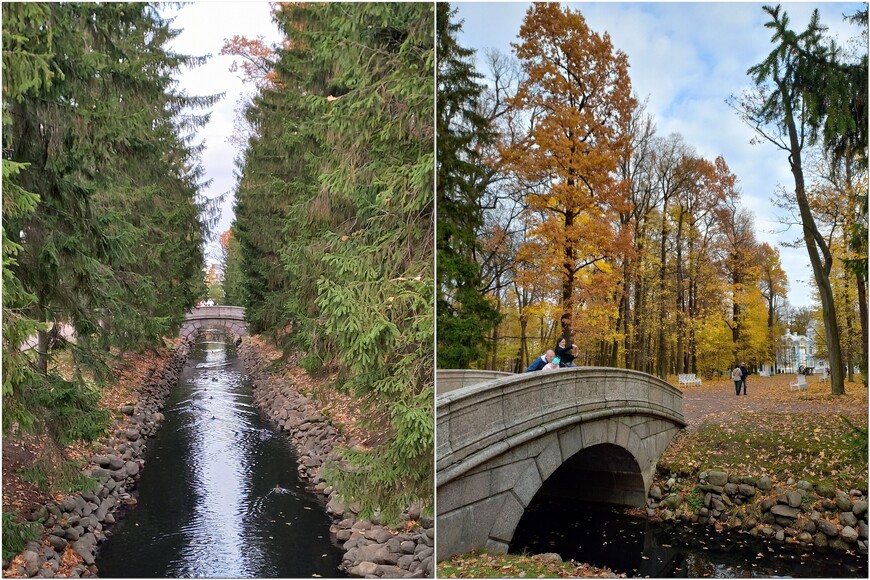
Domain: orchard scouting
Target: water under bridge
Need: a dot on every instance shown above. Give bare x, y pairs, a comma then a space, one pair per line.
229, 319
586, 433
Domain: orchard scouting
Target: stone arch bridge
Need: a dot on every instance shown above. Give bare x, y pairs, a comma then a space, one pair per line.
586, 433
228, 319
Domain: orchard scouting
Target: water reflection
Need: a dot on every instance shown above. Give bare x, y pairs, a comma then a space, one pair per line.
603, 535
207, 500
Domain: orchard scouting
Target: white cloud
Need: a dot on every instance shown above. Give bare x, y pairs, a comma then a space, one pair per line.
205, 26
688, 58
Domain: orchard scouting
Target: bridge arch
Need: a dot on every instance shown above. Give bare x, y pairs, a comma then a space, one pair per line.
498, 442
228, 319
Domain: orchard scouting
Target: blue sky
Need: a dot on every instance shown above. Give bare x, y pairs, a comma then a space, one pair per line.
687, 59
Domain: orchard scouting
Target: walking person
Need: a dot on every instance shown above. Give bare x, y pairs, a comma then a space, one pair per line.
737, 377
743, 374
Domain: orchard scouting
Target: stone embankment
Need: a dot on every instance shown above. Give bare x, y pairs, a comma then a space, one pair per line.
78, 523
372, 550
814, 516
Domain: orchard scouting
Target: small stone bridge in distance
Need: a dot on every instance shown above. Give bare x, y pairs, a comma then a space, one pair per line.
587, 433
228, 319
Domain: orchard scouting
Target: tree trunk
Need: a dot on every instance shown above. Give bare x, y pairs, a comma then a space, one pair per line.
681, 299
42, 351
524, 342
518, 362
850, 365
661, 364
640, 329
862, 313
491, 362
105, 330
815, 242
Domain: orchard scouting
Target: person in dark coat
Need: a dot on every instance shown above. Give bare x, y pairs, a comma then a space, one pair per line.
737, 377
743, 374
563, 351
541, 361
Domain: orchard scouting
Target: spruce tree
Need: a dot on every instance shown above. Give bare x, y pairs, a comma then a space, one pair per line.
465, 317
93, 127
336, 186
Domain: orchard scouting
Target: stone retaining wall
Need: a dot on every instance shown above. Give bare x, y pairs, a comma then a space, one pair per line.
371, 549
815, 516
81, 521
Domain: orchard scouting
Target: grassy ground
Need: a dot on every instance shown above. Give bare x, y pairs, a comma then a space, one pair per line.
482, 565
783, 446
772, 431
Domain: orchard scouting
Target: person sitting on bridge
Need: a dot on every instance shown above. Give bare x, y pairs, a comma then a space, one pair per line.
563, 351
542, 361
552, 365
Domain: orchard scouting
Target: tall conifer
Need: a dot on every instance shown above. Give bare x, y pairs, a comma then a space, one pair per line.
93, 127
464, 315
336, 187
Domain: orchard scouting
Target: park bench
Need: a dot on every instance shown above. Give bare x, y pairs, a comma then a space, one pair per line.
800, 385
763, 374
688, 380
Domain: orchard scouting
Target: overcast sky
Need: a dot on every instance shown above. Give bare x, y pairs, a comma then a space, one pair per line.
205, 26
687, 59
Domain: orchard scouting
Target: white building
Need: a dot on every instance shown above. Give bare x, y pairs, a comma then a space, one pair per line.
795, 351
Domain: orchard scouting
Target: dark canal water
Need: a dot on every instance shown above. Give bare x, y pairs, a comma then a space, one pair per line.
207, 500
603, 535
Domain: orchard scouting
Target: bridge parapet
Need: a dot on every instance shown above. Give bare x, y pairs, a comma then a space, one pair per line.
451, 379
223, 312
471, 419
229, 319
499, 441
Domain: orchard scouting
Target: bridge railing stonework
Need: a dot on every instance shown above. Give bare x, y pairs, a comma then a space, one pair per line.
230, 319
451, 379
499, 441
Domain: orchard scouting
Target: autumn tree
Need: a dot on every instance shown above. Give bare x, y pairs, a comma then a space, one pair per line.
578, 94
773, 284
802, 92
737, 251
502, 230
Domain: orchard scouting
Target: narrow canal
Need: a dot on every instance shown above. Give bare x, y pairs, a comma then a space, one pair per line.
603, 535
208, 504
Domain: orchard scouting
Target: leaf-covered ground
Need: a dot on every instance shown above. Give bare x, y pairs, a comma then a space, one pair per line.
483, 565
773, 431
20, 451
342, 410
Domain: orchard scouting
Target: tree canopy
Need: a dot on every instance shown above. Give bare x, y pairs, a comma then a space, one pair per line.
335, 225
101, 226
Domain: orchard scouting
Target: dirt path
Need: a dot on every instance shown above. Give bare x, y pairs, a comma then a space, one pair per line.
715, 400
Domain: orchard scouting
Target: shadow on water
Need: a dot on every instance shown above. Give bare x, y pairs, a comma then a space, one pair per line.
220, 496
605, 536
